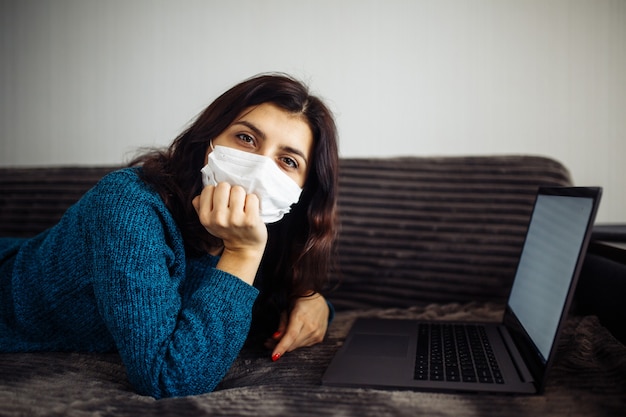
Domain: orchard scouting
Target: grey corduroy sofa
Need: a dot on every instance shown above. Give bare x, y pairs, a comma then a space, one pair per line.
434, 237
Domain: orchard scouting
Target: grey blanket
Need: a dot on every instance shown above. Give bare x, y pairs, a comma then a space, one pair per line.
589, 379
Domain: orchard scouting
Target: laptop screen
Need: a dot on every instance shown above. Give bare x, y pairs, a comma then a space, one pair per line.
547, 263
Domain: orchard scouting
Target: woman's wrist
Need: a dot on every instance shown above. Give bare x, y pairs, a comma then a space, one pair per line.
314, 294
242, 263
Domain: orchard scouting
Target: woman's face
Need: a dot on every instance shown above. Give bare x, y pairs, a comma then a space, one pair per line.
270, 131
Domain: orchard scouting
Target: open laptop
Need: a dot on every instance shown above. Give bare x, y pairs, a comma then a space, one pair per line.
397, 354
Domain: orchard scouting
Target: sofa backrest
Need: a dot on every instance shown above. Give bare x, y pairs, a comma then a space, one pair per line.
434, 229
412, 230
34, 199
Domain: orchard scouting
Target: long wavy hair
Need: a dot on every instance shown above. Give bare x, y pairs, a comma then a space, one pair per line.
298, 254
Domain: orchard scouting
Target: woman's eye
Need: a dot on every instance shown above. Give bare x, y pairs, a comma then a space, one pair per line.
290, 162
246, 138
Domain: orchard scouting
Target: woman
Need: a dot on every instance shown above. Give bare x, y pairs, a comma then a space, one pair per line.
172, 273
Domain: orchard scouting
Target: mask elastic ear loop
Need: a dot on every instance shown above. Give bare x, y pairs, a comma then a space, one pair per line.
211, 144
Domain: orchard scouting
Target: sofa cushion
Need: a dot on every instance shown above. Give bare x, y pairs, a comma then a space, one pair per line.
587, 380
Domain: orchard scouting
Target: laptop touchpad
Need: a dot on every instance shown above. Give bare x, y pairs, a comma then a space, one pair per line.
378, 345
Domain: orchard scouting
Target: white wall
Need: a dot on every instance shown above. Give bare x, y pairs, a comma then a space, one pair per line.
90, 81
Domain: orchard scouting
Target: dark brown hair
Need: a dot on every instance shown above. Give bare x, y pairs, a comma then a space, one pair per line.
299, 249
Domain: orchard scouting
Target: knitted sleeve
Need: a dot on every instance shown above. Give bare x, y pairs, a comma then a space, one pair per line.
178, 325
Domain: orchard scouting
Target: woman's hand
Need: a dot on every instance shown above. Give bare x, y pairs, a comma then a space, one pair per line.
305, 326
230, 214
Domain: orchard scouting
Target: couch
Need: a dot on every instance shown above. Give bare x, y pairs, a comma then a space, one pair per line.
420, 237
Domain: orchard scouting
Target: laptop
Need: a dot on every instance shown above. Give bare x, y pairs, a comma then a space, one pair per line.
508, 357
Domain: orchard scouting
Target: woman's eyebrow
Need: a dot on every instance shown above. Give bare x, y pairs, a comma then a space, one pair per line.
252, 127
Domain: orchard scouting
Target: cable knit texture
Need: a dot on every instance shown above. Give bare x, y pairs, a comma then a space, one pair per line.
113, 275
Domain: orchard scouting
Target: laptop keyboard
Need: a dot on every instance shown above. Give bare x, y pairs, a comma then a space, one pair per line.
453, 352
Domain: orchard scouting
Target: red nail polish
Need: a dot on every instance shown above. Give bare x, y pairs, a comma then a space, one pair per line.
276, 334
275, 357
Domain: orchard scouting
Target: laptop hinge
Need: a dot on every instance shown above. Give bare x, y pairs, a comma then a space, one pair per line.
518, 362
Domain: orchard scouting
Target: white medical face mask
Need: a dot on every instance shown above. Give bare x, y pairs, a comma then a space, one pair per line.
257, 175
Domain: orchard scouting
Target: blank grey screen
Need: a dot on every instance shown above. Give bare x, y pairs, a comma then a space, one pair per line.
547, 264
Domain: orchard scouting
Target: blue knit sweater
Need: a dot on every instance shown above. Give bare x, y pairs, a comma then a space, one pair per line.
113, 275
